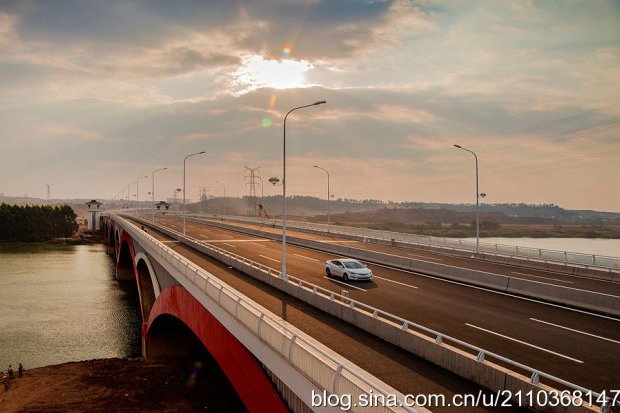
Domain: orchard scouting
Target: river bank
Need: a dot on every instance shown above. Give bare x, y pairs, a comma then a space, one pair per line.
79, 238
121, 385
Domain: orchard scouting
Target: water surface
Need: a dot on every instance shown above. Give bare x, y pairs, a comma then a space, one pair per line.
598, 246
61, 303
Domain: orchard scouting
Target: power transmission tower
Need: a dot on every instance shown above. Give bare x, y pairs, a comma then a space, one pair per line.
48, 190
251, 176
202, 195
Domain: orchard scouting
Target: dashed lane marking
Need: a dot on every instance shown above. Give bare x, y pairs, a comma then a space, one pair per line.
308, 258
269, 258
574, 330
396, 282
525, 343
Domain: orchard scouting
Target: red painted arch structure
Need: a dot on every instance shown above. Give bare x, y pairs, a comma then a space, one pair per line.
242, 369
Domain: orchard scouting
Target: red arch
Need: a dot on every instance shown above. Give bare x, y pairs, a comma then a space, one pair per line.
127, 238
237, 363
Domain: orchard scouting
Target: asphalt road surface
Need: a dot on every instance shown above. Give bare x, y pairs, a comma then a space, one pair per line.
577, 346
398, 368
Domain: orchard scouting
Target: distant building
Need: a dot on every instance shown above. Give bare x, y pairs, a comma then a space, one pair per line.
94, 211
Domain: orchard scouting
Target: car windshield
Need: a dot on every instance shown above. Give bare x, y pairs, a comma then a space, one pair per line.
353, 264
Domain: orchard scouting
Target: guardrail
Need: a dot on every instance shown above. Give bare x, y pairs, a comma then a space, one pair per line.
480, 354
574, 258
324, 370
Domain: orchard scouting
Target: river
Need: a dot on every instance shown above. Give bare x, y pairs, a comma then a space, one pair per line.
598, 246
61, 303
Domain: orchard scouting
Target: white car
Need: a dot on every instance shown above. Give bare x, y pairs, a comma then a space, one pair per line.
348, 269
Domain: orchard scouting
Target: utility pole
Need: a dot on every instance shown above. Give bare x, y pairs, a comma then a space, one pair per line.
48, 191
252, 174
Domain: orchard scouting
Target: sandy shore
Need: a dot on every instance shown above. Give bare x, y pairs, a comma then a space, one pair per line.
120, 385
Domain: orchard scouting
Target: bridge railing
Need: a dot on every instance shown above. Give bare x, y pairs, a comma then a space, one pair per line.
481, 354
323, 369
538, 254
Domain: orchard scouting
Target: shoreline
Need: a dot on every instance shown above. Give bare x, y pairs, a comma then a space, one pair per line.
121, 385
80, 238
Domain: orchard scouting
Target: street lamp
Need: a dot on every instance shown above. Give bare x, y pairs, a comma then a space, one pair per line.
477, 199
221, 183
138, 191
328, 196
153, 189
320, 102
128, 200
191, 154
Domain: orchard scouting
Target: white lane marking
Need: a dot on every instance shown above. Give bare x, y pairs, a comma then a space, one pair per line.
308, 258
269, 258
568, 288
170, 241
538, 276
337, 241
230, 245
475, 287
576, 331
525, 343
396, 282
259, 245
229, 236
344, 283
519, 297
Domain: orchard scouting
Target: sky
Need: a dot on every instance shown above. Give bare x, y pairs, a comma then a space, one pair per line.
95, 95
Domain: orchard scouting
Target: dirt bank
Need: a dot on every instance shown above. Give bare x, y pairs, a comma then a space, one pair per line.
121, 385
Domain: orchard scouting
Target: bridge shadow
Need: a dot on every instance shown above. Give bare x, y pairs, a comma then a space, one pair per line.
354, 285
172, 342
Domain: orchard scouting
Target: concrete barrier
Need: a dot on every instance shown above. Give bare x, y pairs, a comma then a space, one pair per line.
521, 261
485, 373
583, 299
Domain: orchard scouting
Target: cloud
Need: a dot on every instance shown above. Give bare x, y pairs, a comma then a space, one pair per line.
144, 83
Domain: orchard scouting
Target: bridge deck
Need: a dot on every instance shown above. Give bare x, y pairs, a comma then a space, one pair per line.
556, 340
396, 367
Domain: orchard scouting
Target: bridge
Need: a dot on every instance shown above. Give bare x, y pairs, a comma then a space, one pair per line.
432, 321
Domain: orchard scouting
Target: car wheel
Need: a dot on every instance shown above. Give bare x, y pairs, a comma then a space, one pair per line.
345, 276
328, 272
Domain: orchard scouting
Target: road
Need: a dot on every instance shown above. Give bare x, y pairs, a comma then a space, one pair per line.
542, 276
576, 346
398, 368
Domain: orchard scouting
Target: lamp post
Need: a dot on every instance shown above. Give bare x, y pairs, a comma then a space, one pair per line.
224, 186
153, 189
128, 199
184, 160
320, 102
138, 191
328, 196
477, 199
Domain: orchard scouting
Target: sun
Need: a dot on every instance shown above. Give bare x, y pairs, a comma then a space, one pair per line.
259, 72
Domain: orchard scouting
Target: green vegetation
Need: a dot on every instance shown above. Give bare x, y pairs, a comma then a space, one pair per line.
494, 229
36, 223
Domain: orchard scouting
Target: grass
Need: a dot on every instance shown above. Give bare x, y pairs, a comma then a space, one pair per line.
505, 231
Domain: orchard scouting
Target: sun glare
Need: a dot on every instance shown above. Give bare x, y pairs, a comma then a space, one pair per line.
279, 74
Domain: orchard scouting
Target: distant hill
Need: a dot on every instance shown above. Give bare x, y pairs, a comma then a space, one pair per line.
523, 210
309, 207
441, 215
